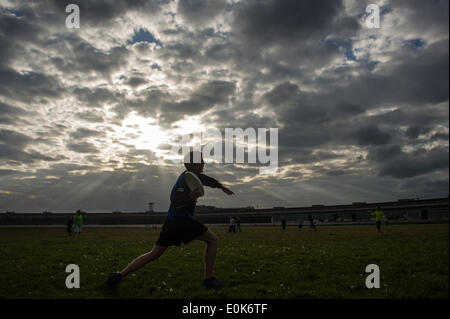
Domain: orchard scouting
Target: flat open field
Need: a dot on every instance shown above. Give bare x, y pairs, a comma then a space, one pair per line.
260, 262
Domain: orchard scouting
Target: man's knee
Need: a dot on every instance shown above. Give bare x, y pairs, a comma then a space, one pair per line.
210, 238
157, 251
214, 239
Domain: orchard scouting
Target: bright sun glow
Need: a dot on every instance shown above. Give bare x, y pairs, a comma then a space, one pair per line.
188, 125
143, 133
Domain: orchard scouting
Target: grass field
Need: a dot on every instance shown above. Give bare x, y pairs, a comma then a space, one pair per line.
260, 262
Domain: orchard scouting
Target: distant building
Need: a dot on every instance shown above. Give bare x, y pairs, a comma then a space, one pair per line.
435, 209
204, 209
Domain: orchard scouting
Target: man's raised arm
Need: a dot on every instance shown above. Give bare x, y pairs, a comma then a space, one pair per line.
211, 182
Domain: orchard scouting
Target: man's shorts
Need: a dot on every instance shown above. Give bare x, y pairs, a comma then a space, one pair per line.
378, 224
175, 232
78, 229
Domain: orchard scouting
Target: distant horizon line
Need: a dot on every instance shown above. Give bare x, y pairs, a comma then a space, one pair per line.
106, 211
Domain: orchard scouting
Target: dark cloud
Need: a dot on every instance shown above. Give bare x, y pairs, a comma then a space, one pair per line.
82, 133
435, 186
200, 11
371, 135
9, 110
422, 162
226, 118
12, 153
9, 49
180, 50
221, 52
308, 156
94, 97
415, 131
418, 79
135, 81
28, 86
203, 98
13, 115
424, 17
104, 12
440, 136
14, 32
82, 147
87, 58
269, 22
421, 78
14, 138
18, 28
282, 94
8, 172
384, 153
146, 103
295, 141
90, 116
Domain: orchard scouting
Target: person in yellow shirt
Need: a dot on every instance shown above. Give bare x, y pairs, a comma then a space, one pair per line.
379, 216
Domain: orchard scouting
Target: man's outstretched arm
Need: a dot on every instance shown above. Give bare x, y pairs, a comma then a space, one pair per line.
211, 182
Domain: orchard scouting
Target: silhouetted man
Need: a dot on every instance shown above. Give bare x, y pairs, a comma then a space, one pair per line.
180, 225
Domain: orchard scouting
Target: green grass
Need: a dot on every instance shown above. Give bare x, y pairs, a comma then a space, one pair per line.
260, 262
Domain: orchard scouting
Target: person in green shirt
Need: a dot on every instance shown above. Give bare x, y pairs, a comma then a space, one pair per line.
379, 216
78, 221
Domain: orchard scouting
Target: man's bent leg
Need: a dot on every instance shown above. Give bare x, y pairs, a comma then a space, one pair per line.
142, 260
211, 241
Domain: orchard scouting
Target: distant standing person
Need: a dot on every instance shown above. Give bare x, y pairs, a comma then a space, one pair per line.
78, 220
238, 223
69, 224
283, 224
232, 227
300, 225
311, 222
379, 216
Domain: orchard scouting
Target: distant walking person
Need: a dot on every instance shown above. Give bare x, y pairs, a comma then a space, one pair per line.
78, 220
311, 222
69, 225
238, 223
283, 224
300, 225
232, 227
379, 216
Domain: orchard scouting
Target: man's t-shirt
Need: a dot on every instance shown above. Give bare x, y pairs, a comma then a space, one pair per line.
379, 215
78, 219
181, 205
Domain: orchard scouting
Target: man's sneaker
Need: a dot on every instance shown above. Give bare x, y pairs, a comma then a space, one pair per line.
212, 282
113, 280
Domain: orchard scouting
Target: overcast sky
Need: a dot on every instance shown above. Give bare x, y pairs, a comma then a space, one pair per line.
88, 115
